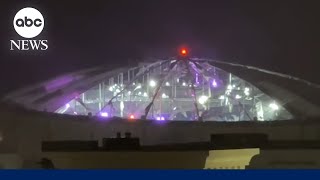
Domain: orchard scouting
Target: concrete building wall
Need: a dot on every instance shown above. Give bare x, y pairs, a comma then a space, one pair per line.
253, 158
286, 159
10, 161
22, 133
128, 160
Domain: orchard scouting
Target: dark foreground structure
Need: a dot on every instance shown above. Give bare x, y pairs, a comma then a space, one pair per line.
84, 142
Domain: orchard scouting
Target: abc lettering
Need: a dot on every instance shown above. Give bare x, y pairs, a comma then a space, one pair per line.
28, 22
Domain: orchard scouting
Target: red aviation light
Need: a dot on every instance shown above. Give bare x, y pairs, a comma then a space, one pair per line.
183, 52
131, 118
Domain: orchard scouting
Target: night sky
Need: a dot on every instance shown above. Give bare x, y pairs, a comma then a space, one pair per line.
277, 35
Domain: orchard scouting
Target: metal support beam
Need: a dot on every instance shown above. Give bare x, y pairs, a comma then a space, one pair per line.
100, 97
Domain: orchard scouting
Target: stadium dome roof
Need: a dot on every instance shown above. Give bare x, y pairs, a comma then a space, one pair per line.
175, 89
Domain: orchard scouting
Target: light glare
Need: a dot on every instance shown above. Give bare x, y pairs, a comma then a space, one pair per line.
214, 83
183, 52
274, 106
203, 99
104, 114
152, 83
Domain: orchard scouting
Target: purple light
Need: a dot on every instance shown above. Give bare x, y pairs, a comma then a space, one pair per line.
104, 114
214, 83
197, 78
160, 118
67, 105
58, 83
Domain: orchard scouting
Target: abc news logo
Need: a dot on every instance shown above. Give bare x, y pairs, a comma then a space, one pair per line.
28, 23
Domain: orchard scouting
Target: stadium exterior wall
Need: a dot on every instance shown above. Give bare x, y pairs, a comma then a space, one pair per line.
22, 133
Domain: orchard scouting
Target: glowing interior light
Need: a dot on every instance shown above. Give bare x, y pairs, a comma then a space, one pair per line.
164, 95
229, 89
139, 93
67, 106
167, 84
133, 84
274, 106
214, 83
131, 116
184, 84
145, 94
121, 105
138, 87
110, 88
129, 92
160, 118
104, 114
203, 99
238, 96
152, 83
75, 113
178, 80
246, 91
221, 97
